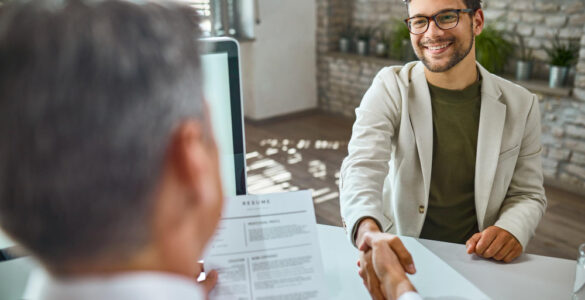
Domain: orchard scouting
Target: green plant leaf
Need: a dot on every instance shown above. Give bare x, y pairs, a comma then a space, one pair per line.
492, 50
562, 54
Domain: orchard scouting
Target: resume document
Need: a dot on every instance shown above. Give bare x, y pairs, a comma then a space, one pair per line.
266, 247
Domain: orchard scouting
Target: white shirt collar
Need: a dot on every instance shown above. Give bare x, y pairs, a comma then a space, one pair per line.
132, 285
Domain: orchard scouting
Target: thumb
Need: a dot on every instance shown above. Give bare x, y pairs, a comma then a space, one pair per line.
366, 242
210, 281
472, 242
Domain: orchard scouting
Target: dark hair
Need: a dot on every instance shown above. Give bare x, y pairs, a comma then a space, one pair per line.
89, 96
473, 4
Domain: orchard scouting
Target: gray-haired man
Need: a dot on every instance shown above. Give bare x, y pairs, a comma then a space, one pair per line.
109, 171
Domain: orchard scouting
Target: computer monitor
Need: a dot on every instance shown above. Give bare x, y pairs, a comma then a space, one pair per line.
221, 87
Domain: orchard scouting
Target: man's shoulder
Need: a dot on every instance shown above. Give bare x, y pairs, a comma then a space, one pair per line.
397, 73
519, 101
511, 90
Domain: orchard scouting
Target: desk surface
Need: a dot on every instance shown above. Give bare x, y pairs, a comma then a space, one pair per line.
440, 272
529, 277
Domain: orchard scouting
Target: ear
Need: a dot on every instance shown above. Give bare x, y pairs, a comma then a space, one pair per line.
478, 22
195, 161
188, 154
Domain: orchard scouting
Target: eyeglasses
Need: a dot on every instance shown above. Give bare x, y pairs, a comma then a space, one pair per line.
445, 20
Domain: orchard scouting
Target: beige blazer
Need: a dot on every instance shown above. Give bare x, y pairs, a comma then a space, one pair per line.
387, 173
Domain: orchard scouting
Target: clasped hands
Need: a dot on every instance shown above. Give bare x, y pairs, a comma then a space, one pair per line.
384, 261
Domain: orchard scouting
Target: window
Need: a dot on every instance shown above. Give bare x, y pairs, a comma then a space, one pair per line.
203, 8
226, 17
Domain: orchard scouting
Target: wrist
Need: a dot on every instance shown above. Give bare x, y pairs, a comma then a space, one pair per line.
365, 225
397, 289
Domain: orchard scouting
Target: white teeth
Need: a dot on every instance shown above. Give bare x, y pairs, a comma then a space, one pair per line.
438, 47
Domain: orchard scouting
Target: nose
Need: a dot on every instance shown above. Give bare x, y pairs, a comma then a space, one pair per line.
434, 30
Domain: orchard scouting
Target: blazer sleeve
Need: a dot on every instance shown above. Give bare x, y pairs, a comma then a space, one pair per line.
525, 200
364, 170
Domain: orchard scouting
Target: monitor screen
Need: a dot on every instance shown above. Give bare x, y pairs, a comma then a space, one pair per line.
217, 93
221, 87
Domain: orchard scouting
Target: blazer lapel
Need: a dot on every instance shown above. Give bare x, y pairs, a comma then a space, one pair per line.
421, 116
492, 117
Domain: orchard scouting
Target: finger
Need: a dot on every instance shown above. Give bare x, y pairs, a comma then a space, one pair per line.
374, 288
362, 272
487, 237
369, 275
505, 250
497, 245
367, 241
403, 255
210, 281
472, 242
513, 254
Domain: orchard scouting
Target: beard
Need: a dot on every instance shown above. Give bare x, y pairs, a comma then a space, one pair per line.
460, 53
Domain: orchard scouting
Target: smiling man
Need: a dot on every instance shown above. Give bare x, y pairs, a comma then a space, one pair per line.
442, 149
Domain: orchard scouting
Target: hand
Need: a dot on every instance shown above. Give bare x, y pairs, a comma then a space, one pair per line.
387, 256
366, 271
209, 282
368, 274
494, 242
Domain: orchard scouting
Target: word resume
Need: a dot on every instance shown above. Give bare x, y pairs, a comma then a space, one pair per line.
266, 248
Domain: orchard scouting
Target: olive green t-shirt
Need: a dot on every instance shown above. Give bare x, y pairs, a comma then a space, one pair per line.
451, 213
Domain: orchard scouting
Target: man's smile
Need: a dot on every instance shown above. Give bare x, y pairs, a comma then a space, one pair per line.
437, 48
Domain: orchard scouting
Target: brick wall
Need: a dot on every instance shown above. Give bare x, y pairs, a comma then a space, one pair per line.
537, 22
373, 13
563, 140
349, 76
332, 17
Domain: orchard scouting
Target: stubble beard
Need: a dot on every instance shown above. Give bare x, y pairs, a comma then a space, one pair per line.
457, 57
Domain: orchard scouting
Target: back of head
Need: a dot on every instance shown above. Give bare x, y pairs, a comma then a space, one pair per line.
90, 92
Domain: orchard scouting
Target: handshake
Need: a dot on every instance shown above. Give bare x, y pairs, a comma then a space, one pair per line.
384, 261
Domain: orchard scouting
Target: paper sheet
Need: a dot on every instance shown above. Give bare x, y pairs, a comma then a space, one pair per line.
266, 247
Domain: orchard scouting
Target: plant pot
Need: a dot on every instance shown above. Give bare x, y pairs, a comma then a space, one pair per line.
523, 70
362, 47
381, 49
558, 76
344, 45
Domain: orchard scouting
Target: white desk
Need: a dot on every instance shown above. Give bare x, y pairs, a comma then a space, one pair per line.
529, 277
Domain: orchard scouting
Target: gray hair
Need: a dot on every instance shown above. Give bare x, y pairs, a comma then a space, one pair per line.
90, 93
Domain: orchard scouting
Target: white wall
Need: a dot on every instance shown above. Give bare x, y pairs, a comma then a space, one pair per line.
279, 67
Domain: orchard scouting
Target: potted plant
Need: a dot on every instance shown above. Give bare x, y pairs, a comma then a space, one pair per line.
492, 50
364, 37
345, 39
561, 56
525, 60
382, 44
400, 46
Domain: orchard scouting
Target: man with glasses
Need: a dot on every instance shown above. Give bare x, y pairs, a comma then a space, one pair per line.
441, 149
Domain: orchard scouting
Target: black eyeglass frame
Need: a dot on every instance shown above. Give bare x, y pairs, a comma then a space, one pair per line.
434, 18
